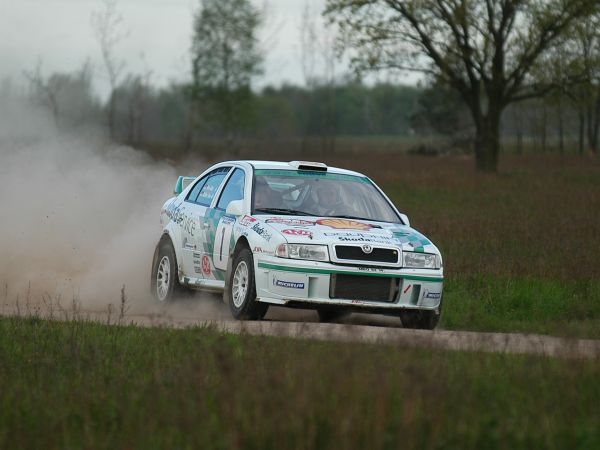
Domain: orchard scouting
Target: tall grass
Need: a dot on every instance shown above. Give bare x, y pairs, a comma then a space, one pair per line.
87, 385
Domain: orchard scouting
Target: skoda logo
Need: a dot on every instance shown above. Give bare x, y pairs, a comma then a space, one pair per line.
367, 248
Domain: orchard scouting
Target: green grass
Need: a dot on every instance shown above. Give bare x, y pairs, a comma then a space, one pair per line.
521, 249
527, 305
520, 254
86, 385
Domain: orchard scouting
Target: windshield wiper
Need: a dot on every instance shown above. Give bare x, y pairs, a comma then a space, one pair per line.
342, 216
285, 211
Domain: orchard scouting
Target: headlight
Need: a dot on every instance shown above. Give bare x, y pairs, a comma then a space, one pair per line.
421, 260
303, 251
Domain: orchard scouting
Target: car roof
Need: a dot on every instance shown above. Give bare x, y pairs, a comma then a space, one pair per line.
283, 165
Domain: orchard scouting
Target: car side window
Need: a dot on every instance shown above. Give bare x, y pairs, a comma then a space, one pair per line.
204, 191
196, 189
233, 190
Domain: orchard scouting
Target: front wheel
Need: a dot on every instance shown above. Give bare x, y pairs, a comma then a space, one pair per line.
423, 320
242, 288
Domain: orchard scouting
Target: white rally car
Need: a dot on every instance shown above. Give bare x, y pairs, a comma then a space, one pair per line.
297, 234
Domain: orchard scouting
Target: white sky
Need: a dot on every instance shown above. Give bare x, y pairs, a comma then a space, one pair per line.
58, 34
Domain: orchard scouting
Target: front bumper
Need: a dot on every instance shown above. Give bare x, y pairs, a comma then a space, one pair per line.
309, 283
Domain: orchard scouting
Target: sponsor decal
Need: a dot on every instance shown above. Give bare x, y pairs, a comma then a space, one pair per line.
291, 222
350, 234
297, 232
197, 263
207, 192
412, 238
288, 284
261, 232
258, 250
344, 224
176, 213
362, 237
227, 220
246, 221
432, 295
206, 265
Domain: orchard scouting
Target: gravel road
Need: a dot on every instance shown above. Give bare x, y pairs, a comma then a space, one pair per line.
303, 324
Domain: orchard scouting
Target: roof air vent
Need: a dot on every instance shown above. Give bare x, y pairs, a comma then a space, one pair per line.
308, 165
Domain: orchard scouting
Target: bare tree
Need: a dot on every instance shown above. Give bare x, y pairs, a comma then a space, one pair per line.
587, 37
106, 26
574, 66
318, 60
225, 58
136, 91
483, 49
308, 44
45, 91
308, 54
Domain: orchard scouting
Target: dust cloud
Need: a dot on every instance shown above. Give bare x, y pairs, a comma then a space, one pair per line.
79, 217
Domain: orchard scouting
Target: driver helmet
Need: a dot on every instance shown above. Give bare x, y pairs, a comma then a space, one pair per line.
263, 194
328, 195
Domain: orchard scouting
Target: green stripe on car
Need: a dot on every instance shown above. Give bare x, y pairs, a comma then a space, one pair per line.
262, 265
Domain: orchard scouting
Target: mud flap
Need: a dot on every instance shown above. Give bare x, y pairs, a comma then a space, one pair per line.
154, 261
227, 277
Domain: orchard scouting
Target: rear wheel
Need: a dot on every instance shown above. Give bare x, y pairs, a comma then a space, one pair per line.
242, 288
164, 283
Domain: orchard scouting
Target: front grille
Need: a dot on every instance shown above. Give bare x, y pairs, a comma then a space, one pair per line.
357, 287
356, 253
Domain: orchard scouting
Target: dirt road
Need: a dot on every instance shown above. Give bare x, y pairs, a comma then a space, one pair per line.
303, 324
353, 332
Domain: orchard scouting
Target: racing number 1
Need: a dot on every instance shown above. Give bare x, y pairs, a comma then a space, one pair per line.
222, 242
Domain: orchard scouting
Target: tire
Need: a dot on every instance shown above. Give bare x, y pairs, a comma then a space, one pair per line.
421, 320
164, 283
242, 288
330, 315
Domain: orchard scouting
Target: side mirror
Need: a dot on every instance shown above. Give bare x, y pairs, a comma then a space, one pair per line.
404, 218
235, 208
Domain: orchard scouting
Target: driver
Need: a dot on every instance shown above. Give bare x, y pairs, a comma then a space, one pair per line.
264, 196
329, 200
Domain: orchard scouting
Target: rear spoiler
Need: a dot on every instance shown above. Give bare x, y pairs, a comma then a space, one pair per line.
182, 183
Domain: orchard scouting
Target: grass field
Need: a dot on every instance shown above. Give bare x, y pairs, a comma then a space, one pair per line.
521, 253
521, 249
85, 385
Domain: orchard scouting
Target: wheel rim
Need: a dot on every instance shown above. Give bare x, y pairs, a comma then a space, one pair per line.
239, 286
162, 278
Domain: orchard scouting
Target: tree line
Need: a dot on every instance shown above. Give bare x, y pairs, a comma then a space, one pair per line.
497, 74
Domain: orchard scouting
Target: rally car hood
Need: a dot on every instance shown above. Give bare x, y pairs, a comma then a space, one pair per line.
327, 230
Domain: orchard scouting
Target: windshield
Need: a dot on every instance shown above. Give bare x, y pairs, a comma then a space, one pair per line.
324, 194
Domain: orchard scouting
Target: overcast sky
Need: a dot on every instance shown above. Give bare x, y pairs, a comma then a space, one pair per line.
58, 34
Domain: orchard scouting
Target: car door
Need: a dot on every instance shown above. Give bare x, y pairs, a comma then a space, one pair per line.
220, 225
194, 230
